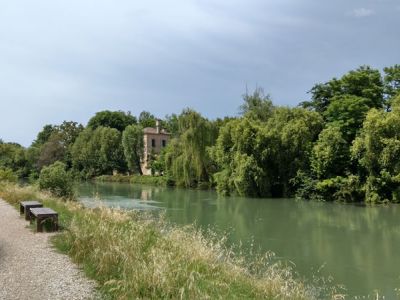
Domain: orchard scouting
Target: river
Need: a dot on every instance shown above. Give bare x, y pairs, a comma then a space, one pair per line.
358, 246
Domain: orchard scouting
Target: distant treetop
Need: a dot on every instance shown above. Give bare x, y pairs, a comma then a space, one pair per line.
112, 119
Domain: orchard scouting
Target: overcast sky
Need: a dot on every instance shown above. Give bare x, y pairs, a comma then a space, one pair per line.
65, 60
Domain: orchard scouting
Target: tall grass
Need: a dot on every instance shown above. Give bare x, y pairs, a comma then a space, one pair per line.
133, 255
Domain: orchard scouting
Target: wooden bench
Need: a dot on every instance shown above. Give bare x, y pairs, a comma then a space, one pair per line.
25, 206
42, 214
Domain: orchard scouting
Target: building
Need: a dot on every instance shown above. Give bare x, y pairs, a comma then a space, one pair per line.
155, 139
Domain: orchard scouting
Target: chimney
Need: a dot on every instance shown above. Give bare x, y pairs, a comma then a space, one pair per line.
158, 125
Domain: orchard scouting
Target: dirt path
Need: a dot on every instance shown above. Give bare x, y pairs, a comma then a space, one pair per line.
31, 269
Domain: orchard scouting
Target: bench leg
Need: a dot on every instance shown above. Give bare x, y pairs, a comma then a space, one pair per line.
55, 223
21, 209
27, 214
39, 225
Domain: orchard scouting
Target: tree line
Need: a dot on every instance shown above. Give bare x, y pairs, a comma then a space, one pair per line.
343, 144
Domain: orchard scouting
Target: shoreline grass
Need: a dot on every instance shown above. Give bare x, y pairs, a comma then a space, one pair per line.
132, 255
149, 180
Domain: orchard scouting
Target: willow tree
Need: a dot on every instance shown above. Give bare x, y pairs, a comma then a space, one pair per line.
186, 158
331, 154
132, 142
377, 150
257, 158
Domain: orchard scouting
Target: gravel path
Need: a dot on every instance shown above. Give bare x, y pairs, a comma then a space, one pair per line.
31, 269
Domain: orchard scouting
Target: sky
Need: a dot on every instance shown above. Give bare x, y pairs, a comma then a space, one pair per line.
66, 60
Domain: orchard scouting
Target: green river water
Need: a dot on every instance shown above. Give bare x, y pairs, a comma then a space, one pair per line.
358, 246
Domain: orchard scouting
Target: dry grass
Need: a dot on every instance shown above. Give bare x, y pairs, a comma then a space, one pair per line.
133, 255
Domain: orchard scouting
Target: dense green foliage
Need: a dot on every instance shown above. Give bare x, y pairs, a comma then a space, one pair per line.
260, 158
256, 106
98, 151
8, 175
132, 142
186, 160
146, 119
57, 180
340, 145
356, 156
364, 82
113, 119
15, 157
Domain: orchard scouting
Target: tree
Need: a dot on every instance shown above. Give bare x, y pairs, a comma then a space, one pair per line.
112, 119
348, 113
377, 150
98, 152
171, 123
321, 95
13, 156
186, 158
260, 159
54, 143
391, 81
84, 154
146, 119
132, 142
53, 150
330, 155
363, 82
257, 106
237, 163
44, 135
69, 131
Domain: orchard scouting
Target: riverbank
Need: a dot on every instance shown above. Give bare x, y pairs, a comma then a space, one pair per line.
132, 255
31, 269
147, 180
150, 180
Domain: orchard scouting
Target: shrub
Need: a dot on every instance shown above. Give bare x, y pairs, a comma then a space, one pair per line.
7, 175
57, 180
343, 189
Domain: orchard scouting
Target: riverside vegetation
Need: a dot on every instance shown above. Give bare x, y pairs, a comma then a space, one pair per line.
341, 145
133, 255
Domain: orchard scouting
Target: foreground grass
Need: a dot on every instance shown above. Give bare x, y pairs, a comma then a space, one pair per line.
132, 255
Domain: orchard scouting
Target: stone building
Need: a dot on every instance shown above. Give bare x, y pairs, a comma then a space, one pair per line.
155, 139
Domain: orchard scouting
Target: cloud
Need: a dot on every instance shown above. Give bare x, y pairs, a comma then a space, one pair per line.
67, 59
362, 12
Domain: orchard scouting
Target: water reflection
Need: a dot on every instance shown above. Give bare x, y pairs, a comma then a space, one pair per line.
358, 246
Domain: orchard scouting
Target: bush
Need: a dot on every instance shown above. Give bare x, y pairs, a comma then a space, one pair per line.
57, 180
343, 189
7, 175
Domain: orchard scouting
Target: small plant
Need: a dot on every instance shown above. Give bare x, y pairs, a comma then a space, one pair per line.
57, 180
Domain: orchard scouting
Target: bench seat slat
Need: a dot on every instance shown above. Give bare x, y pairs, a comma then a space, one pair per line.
25, 203
42, 211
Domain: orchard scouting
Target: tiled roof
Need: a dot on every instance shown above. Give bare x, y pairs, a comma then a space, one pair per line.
153, 130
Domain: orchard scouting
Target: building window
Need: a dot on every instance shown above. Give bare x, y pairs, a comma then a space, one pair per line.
164, 143
153, 143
